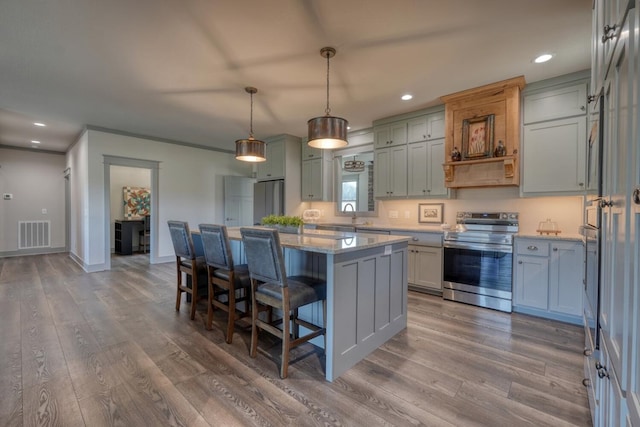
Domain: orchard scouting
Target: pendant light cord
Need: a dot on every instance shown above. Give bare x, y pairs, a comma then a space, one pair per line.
251, 119
327, 110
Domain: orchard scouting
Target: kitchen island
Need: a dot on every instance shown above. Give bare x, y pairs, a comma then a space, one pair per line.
366, 278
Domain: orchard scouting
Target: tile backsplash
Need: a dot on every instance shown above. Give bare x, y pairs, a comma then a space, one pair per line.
565, 210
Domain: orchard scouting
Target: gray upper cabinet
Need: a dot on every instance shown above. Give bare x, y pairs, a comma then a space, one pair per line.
317, 174
557, 103
392, 134
554, 156
390, 172
554, 141
425, 174
274, 167
426, 128
309, 153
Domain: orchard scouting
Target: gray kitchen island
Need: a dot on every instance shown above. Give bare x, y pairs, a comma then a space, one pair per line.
366, 278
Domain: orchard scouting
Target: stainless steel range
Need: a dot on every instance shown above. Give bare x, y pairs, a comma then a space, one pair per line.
478, 259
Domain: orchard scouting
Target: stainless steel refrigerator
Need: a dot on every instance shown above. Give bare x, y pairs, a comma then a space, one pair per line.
268, 199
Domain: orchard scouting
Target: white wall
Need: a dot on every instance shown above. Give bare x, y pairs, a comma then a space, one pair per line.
36, 181
123, 176
190, 187
76, 160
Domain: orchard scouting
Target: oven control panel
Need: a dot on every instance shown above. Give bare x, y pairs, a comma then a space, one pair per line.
487, 217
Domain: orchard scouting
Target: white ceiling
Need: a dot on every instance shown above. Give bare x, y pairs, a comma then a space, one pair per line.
176, 69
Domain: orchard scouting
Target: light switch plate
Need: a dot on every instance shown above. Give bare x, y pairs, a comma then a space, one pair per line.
7, 196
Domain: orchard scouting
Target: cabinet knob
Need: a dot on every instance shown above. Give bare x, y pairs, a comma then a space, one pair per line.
586, 382
310, 155
425, 136
555, 249
591, 98
581, 184
519, 262
532, 248
587, 352
582, 108
636, 196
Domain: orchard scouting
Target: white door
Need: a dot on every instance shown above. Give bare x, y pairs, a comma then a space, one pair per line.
238, 201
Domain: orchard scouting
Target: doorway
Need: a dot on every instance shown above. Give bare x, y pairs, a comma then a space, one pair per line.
127, 167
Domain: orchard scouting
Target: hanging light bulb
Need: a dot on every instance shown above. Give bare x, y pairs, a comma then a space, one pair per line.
327, 132
251, 149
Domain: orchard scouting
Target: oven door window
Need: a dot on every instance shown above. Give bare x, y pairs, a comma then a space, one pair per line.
482, 268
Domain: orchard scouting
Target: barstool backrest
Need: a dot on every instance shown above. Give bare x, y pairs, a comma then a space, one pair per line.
181, 238
264, 255
215, 242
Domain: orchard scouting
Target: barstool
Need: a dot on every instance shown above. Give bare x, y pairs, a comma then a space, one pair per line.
187, 262
271, 287
224, 278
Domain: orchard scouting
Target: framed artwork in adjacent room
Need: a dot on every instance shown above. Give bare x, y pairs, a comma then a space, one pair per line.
136, 201
430, 213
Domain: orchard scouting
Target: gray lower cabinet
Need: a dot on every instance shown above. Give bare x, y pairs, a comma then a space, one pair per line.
425, 268
548, 278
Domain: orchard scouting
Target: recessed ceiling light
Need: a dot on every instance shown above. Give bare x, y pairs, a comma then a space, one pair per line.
406, 97
39, 124
33, 141
543, 58
348, 127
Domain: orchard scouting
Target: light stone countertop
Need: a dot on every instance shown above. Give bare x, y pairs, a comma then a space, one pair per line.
568, 236
329, 242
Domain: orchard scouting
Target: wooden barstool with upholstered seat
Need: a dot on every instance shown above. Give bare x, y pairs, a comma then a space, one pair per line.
271, 287
188, 263
224, 278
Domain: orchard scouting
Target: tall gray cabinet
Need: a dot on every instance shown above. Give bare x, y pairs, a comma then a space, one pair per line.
615, 389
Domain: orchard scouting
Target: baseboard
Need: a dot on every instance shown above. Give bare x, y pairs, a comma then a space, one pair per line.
88, 268
35, 251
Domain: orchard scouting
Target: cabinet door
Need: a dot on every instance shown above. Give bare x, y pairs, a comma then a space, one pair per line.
417, 129
411, 265
390, 135
428, 267
309, 153
565, 278
531, 285
435, 157
554, 156
312, 180
418, 169
398, 182
616, 259
435, 126
381, 173
633, 354
273, 167
555, 103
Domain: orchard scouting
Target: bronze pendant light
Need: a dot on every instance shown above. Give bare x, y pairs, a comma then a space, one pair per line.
251, 149
327, 132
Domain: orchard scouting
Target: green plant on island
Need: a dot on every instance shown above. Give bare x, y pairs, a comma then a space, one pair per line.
282, 220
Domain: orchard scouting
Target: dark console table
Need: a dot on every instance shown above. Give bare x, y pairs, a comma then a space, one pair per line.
124, 230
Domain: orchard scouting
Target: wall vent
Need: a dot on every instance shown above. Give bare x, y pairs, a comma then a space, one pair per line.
34, 234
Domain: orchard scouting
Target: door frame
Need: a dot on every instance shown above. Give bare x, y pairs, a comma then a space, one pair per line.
154, 167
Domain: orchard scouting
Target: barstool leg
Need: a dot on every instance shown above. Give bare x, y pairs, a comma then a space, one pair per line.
254, 320
179, 282
286, 337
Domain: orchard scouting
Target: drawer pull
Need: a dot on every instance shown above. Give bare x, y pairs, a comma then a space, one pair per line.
532, 248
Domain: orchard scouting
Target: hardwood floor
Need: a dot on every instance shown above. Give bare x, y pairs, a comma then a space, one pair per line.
109, 349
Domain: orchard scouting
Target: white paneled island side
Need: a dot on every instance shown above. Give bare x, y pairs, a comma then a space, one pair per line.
366, 278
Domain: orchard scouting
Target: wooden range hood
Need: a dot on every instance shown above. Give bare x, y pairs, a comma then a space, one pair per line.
497, 106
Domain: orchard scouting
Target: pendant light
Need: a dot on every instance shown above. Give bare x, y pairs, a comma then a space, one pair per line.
354, 165
327, 132
251, 150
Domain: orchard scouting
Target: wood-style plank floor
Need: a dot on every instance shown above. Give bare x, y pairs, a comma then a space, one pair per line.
108, 348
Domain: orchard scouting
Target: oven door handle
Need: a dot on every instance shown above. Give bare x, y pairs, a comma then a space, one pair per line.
479, 246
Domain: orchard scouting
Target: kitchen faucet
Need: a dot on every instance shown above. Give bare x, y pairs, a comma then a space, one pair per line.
353, 209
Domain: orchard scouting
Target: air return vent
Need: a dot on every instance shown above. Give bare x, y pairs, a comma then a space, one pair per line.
34, 234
